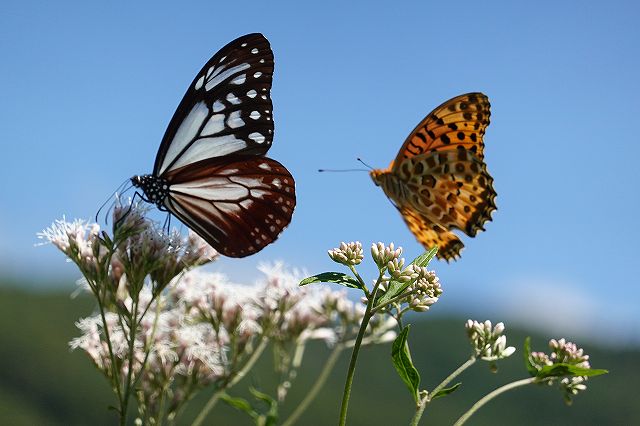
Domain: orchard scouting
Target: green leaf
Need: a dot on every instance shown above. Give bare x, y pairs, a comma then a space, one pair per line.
395, 288
333, 277
401, 358
424, 259
271, 417
526, 349
445, 391
240, 404
564, 369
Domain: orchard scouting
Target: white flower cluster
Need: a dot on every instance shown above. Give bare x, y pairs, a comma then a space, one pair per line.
204, 328
347, 254
489, 344
138, 250
565, 352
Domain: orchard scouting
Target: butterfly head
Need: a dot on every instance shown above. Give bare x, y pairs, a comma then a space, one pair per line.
378, 176
155, 189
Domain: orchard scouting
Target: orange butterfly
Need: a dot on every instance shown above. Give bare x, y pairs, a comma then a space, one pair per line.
439, 180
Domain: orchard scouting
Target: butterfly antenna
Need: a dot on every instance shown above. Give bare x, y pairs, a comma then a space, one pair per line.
348, 170
108, 199
365, 164
342, 170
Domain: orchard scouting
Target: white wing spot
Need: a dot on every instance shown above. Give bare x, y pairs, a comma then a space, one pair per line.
285, 209
234, 121
217, 106
280, 199
276, 183
264, 237
270, 215
239, 79
221, 59
257, 137
254, 50
287, 189
264, 96
262, 61
258, 241
264, 166
278, 221
233, 99
214, 125
252, 93
222, 76
199, 83
272, 228
257, 75
255, 115
286, 181
243, 45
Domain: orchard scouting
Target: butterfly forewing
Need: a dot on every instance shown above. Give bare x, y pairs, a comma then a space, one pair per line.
226, 110
461, 121
238, 204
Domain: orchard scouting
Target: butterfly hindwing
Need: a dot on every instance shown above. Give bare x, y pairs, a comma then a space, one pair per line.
226, 110
452, 188
430, 235
461, 121
238, 204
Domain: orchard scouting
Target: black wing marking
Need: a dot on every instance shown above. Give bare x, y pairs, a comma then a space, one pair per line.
226, 110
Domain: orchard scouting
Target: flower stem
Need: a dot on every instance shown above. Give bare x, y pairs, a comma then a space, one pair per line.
231, 382
129, 383
354, 355
320, 381
488, 397
427, 399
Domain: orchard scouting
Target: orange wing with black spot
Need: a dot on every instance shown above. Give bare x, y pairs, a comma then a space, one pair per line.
461, 121
431, 234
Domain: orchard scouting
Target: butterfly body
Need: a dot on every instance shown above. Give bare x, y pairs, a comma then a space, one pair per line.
211, 171
439, 180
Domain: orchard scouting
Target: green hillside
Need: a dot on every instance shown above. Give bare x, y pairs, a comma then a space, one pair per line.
43, 383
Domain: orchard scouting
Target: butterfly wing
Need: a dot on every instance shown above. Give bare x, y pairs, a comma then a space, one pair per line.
226, 110
460, 121
238, 204
430, 234
452, 188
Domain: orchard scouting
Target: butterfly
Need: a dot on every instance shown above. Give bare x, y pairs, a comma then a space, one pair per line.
439, 181
211, 171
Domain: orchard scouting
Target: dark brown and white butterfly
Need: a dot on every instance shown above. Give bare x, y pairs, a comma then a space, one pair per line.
211, 171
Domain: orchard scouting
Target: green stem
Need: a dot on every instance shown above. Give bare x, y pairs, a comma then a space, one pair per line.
488, 397
359, 278
128, 383
320, 381
115, 374
354, 355
427, 399
468, 363
231, 382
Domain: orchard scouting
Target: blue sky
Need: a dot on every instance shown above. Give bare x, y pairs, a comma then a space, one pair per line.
88, 89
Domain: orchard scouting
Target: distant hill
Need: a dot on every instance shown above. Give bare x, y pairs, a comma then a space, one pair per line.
43, 383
